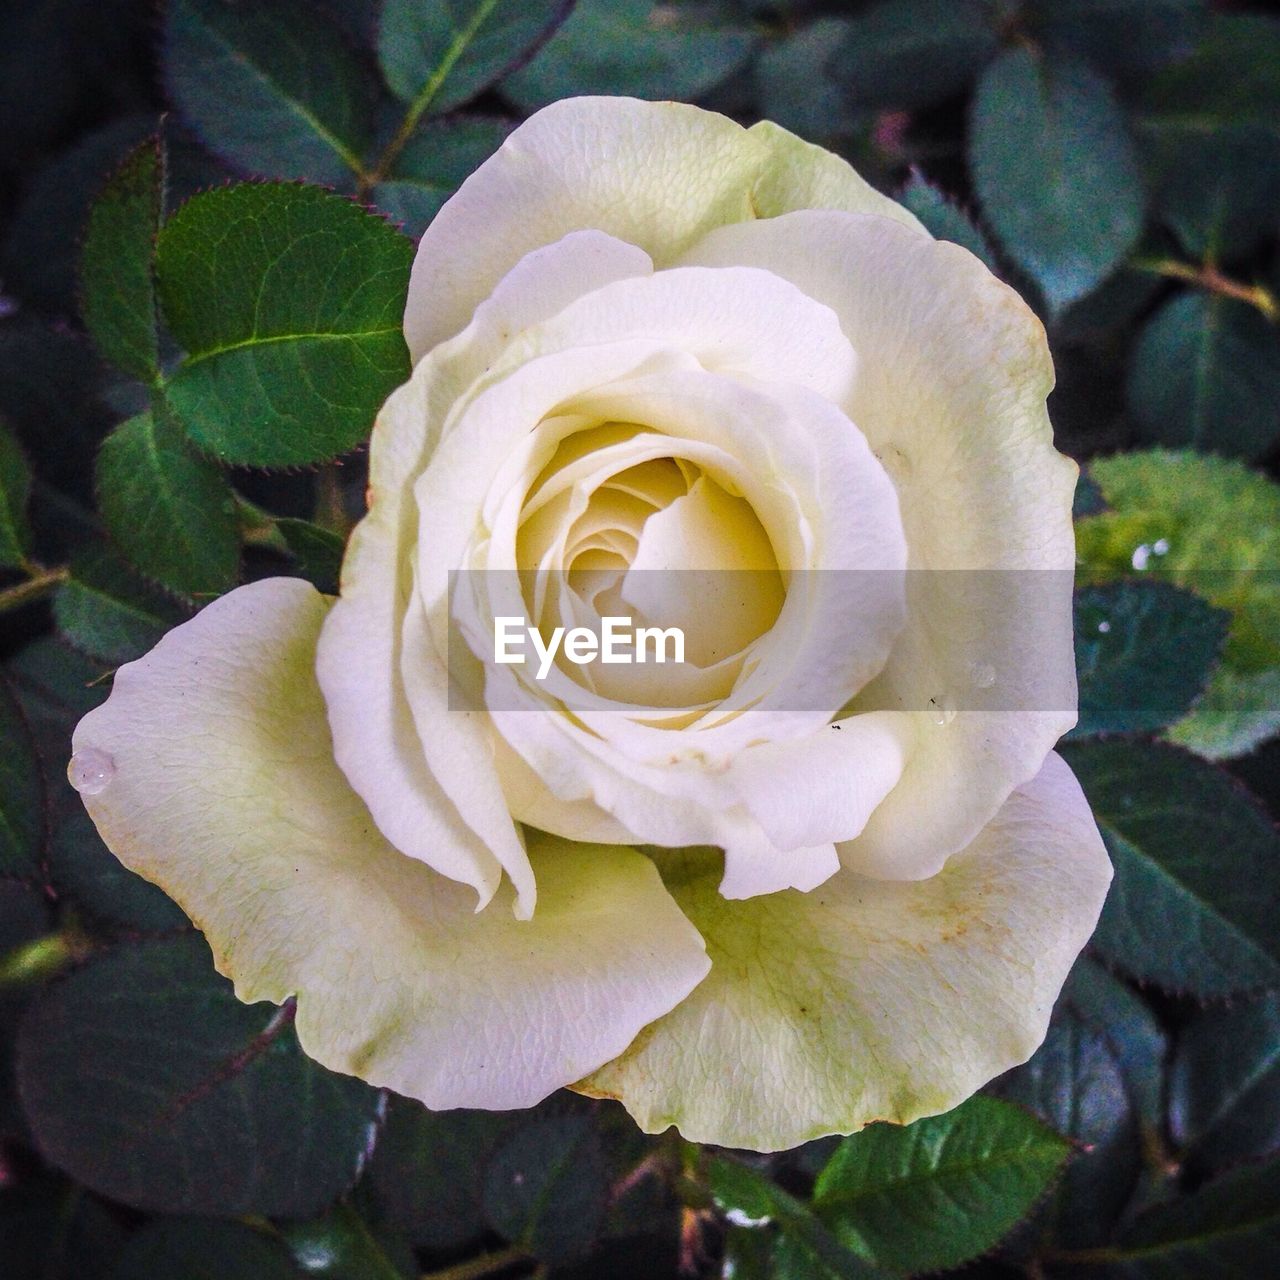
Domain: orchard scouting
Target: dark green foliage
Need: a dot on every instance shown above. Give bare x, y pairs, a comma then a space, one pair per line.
431, 167
910, 53
628, 47
1144, 653
272, 87
229, 1118
22, 815
200, 1248
1230, 1229
1055, 170
945, 220
108, 612
317, 551
15, 489
438, 54
1224, 1086
1206, 374
1197, 868
545, 1187
117, 290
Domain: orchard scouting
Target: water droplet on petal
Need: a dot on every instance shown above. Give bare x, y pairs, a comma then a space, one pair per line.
943, 710
1104, 626
983, 675
91, 771
1141, 557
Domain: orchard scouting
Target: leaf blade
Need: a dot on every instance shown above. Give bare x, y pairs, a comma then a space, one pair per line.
960, 1181
170, 510
289, 301
116, 283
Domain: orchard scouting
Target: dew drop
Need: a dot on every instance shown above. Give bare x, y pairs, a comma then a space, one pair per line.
91, 771
1141, 557
983, 675
1104, 626
943, 710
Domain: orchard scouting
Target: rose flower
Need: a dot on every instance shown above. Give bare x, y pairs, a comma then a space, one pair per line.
824, 871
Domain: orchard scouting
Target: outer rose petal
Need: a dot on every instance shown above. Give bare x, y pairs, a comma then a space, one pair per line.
225, 794
655, 174
867, 999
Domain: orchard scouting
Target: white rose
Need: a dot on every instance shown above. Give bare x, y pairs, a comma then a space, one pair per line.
646, 338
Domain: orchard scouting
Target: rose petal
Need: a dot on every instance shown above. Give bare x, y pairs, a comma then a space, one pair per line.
953, 374
655, 174
375, 740
224, 792
866, 999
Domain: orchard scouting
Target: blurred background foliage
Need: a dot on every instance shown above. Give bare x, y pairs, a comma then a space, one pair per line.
1117, 161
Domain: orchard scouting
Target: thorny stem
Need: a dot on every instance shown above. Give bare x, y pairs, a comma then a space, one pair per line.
1207, 276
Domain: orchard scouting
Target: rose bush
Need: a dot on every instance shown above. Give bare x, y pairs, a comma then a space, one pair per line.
827, 873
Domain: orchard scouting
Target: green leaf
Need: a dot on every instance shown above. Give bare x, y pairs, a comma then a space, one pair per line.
272, 87
289, 302
631, 47
427, 1171
545, 1188
1055, 171
1197, 870
1228, 1230
21, 792
318, 552
1232, 78
1219, 526
169, 510
15, 489
55, 686
1120, 37
1206, 373
1102, 1002
84, 871
116, 284
1111, 307
204, 1249
1088, 500
932, 1194
341, 1246
40, 257
750, 1200
944, 219
1224, 1085
437, 54
1098, 1077
106, 611
911, 53
795, 86
1144, 653
432, 166
144, 1078
1218, 192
